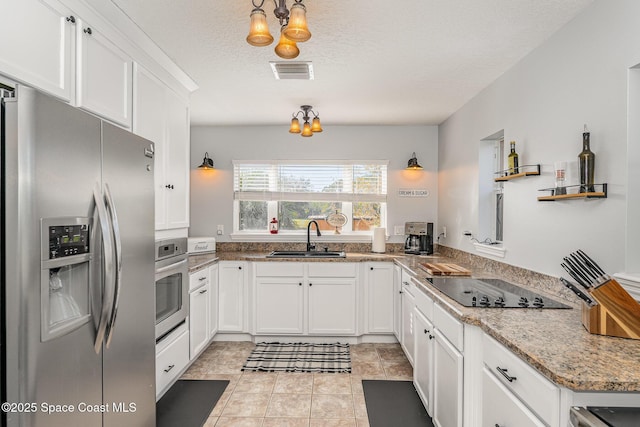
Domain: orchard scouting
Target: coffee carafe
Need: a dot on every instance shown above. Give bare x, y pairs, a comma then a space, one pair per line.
419, 239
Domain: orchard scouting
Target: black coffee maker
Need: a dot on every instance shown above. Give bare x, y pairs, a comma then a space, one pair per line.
419, 239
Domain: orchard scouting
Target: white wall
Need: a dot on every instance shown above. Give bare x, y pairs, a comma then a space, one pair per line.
212, 193
577, 76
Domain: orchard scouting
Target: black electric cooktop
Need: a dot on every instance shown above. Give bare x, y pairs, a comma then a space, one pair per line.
491, 293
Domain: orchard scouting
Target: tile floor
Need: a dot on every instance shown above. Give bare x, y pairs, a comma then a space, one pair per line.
265, 399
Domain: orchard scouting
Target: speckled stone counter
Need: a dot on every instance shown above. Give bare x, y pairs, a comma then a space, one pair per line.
552, 341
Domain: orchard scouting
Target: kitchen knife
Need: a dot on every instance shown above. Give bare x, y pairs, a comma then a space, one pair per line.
591, 262
577, 291
575, 276
585, 268
577, 270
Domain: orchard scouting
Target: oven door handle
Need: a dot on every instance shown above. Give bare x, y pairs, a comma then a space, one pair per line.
170, 267
109, 274
118, 259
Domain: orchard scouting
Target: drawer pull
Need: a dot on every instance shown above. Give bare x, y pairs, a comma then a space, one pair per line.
170, 368
431, 337
88, 31
202, 278
71, 19
505, 374
426, 331
204, 291
405, 283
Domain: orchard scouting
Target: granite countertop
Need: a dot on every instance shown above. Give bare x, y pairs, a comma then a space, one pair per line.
552, 341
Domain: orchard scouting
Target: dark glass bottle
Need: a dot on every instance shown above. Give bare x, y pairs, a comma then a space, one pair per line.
586, 164
512, 160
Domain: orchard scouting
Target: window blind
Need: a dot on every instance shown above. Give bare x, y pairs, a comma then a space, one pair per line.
311, 180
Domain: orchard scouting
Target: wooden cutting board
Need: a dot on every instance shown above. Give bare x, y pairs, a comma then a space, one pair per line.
445, 269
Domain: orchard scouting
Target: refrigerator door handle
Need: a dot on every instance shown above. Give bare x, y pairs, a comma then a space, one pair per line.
118, 258
109, 274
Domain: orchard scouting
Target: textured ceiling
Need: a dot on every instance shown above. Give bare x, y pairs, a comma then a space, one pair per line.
376, 62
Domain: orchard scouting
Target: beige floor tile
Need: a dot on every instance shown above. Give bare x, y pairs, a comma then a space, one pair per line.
286, 422
332, 406
256, 382
400, 369
221, 403
294, 383
246, 405
289, 405
211, 422
370, 370
239, 422
331, 384
356, 384
359, 406
391, 353
325, 422
362, 422
365, 356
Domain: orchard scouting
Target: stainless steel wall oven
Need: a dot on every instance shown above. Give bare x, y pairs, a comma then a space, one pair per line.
172, 285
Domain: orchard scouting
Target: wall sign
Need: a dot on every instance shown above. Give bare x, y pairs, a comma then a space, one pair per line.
413, 192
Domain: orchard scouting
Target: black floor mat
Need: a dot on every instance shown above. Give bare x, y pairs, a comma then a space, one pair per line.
188, 403
394, 403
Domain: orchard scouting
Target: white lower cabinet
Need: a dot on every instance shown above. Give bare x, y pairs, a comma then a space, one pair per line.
172, 357
501, 408
397, 302
378, 288
294, 298
198, 320
408, 303
423, 360
213, 300
232, 295
447, 389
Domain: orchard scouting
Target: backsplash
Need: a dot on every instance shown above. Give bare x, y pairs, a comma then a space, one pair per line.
511, 273
390, 248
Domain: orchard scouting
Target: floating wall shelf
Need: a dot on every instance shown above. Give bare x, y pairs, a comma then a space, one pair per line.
526, 170
587, 195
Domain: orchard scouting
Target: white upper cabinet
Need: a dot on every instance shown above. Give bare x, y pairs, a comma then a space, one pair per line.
162, 117
37, 44
104, 76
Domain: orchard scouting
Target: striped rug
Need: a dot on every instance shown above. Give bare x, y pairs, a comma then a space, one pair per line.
299, 357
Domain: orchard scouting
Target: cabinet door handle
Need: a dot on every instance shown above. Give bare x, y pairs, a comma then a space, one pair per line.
240, 267
399, 292
71, 19
170, 367
169, 186
202, 278
426, 331
431, 337
310, 284
88, 31
300, 284
371, 268
204, 291
505, 374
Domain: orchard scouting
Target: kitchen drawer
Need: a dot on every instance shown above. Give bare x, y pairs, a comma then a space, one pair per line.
449, 326
279, 269
501, 408
423, 302
171, 361
332, 269
405, 276
199, 278
534, 390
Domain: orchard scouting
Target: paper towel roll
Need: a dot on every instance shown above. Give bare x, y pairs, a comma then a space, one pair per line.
379, 240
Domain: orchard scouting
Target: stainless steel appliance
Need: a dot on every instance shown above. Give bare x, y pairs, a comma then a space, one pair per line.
491, 293
172, 285
419, 240
77, 268
599, 416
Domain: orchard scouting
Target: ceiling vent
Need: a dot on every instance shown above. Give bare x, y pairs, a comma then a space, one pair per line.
292, 70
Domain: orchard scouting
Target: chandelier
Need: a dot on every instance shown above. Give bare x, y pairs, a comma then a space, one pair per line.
308, 129
293, 27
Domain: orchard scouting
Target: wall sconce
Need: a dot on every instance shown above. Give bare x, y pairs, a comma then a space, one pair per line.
413, 164
207, 162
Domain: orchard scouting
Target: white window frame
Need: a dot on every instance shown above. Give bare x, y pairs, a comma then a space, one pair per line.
346, 198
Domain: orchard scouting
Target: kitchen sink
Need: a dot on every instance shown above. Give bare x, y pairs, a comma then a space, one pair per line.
306, 254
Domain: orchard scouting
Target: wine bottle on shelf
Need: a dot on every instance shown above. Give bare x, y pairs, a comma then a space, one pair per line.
512, 160
586, 164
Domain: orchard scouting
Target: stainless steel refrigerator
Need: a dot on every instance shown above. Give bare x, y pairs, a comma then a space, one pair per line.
78, 304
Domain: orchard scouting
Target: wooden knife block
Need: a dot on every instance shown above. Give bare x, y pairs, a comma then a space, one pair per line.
617, 314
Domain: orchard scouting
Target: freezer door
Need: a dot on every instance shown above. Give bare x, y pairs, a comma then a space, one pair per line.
129, 356
52, 163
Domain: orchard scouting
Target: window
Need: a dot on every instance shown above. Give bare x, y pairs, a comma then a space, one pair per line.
296, 192
491, 196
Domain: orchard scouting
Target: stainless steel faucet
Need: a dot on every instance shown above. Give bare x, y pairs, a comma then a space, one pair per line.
309, 247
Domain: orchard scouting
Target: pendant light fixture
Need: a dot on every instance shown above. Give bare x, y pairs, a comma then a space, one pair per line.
293, 27
308, 129
413, 164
